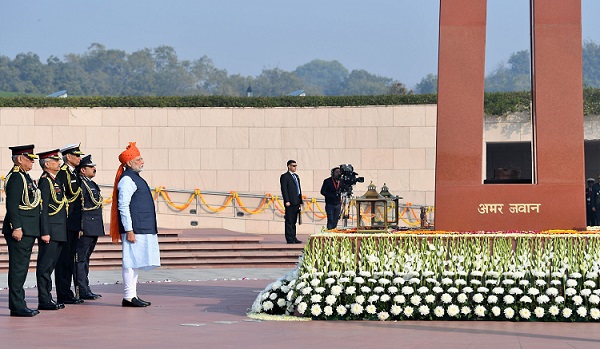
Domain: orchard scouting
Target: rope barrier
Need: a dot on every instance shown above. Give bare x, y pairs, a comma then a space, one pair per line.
274, 202
310, 205
215, 210
405, 210
279, 206
167, 198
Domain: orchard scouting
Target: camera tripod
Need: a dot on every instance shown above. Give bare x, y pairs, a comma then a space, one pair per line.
345, 199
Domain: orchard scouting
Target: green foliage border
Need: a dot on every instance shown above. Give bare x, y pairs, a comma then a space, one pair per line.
496, 103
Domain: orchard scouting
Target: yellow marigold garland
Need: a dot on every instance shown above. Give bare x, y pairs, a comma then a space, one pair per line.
266, 202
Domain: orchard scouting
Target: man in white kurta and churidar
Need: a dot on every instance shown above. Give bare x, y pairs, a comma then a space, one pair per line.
133, 221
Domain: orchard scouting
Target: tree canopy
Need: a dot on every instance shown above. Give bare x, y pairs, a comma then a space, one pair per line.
159, 72
515, 75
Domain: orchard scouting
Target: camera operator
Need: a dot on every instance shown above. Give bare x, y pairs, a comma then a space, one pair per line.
331, 191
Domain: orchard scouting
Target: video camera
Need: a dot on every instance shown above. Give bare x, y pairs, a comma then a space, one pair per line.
348, 178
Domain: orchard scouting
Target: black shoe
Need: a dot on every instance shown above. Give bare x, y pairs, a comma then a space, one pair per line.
291, 242
90, 296
297, 241
143, 301
72, 300
134, 302
52, 305
24, 312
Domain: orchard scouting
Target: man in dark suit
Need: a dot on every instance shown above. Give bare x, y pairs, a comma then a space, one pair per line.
53, 228
92, 225
292, 198
71, 182
21, 226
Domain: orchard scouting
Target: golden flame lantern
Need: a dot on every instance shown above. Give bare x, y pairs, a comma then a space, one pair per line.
371, 210
392, 208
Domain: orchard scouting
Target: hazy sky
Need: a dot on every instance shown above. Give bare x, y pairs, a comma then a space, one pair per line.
393, 38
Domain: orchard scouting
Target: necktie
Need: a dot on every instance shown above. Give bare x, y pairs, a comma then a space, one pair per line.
297, 185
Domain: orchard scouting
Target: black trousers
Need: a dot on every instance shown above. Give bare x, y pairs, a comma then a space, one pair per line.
66, 266
47, 258
590, 216
84, 248
333, 215
291, 216
19, 255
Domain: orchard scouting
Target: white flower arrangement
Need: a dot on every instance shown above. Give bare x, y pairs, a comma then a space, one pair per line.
336, 290
400, 299
356, 309
522, 277
496, 311
373, 298
446, 298
315, 310
415, 300
302, 307
480, 311
424, 310
383, 315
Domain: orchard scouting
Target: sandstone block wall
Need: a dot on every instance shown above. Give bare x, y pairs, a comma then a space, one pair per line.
240, 149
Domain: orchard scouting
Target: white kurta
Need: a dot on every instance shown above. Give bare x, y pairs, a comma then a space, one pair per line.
144, 253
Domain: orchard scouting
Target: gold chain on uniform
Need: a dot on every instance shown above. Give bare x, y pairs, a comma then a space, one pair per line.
37, 195
97, 203
74, 194
60, 203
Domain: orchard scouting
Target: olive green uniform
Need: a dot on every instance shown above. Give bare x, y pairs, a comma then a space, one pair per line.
53, 223
22, 211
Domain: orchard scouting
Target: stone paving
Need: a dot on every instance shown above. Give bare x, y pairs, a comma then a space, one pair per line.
206, 308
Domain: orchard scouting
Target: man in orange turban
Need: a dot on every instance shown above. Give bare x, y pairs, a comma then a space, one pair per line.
133, 221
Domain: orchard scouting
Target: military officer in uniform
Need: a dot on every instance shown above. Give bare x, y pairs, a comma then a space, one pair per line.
91, 223
65, 267
21, 226
53, 228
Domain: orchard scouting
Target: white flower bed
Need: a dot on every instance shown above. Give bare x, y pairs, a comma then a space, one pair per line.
517, 277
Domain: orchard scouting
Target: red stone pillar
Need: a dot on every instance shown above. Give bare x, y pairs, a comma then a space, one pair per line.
556, 198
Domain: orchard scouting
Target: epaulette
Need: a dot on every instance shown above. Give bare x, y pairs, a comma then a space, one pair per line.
63, 167
44, 175
16, 169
